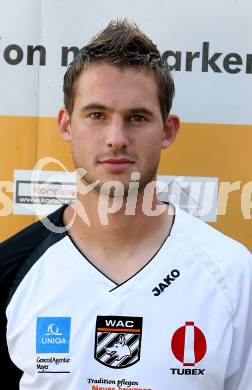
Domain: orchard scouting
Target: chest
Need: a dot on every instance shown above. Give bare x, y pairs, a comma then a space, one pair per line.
160, 329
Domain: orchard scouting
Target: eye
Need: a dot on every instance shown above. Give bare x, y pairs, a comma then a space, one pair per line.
96, 115
137, 118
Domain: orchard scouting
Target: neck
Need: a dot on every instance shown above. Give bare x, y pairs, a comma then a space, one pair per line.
123, 245
102, 219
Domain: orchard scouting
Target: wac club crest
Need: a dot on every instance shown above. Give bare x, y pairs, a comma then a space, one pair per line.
118, 340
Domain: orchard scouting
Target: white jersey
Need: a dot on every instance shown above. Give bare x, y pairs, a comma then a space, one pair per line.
183, 322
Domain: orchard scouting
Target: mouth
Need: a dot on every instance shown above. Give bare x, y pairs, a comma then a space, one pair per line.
116, 164
111, 353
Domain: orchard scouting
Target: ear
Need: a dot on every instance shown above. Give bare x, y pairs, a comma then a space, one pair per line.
64, 124
171, 128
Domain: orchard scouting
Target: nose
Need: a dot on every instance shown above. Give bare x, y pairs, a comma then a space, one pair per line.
117, 137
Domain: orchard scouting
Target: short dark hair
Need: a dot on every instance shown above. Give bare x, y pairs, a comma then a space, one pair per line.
122, 44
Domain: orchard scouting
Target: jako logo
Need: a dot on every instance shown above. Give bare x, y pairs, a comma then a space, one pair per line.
53, 334
189, 344
166, 282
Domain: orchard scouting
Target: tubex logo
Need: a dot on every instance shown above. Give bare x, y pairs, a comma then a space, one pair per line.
53, 334
189, 346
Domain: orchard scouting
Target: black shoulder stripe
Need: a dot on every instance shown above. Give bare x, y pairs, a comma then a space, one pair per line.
43, 242
50, 240
15, 250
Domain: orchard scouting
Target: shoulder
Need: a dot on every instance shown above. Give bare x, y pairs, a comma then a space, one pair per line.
25, 241
214, 243
228, 261
15, 251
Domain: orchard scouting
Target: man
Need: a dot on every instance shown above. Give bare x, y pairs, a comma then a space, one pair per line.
130, 293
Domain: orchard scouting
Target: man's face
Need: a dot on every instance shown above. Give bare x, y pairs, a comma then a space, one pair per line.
116, 126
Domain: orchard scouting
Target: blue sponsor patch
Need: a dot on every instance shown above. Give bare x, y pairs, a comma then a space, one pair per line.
53, 334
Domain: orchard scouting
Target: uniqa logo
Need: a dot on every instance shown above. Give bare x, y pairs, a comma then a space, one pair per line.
53, 334
53, 340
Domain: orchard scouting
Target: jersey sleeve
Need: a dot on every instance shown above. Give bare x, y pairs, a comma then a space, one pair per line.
239, 370
13, 254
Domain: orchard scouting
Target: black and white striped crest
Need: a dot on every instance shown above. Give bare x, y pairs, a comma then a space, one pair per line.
118, 340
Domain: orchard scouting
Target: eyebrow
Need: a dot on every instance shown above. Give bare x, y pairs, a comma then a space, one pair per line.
135, 110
